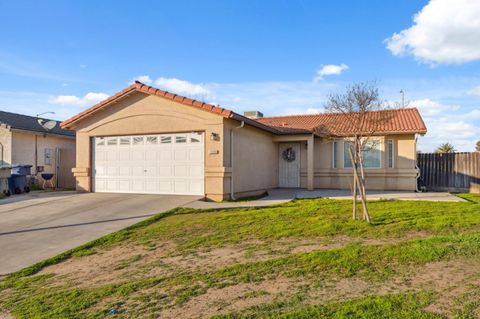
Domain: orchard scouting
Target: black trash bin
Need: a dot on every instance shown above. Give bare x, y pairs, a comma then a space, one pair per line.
17, 182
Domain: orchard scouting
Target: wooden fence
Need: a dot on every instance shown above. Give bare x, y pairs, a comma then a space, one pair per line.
453, 172
65, 159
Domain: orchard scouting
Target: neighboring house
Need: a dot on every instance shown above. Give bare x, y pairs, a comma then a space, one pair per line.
145, 140
39, 142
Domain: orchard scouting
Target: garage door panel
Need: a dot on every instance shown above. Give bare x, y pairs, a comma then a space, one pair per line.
124, 171
158, 164
138, 155
124, 185
180, 155
111, 171
111, 156
124, 155
180, 170
166, 186
165, 155
151, 155
195, 155
165, 171
195, 171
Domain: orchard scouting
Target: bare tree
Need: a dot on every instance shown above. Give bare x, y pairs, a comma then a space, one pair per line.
357, 106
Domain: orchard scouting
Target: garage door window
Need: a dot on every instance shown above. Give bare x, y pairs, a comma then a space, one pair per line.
152, 140
180, 139
124, 140
100, 141
138, 140
165, 139
195, 138
111, 141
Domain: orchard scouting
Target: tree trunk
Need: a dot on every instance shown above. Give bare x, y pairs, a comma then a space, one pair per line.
355, 177
366, 216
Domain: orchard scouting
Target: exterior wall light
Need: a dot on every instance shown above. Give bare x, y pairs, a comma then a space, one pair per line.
214, 136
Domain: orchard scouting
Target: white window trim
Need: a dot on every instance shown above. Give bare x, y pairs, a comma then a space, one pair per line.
381, 148
334, 159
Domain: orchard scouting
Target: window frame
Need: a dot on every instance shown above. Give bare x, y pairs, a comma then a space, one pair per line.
334, 154
391, 143
379, 147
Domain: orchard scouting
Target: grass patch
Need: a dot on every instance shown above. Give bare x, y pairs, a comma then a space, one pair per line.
452, 231
471, 197
398, 306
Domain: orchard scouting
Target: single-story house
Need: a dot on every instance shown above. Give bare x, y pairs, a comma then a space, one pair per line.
146, 140
39, 142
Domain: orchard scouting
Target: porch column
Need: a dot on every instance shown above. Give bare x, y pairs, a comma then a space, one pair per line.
310, 159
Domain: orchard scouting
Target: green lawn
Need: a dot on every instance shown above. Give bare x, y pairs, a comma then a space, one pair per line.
302, 259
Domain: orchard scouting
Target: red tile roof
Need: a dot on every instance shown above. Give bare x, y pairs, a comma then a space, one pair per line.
393, 121
140, 87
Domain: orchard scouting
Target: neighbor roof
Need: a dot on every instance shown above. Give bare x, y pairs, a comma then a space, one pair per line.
392, 121
31, 123
399, 121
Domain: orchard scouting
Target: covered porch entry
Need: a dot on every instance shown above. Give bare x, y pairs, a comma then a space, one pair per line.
289, 161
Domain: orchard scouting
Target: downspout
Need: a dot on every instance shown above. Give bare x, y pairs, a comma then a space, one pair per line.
417, 168
232, 196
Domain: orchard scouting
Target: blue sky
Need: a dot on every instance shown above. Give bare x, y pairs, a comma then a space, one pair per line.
64, 56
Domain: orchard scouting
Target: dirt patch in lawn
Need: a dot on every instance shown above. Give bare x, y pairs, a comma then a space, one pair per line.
232, 298
5, 315
129, 262
451, 279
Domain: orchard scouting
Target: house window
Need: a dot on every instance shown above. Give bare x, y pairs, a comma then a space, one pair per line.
390, 153
334, 154
371, 155
48, 156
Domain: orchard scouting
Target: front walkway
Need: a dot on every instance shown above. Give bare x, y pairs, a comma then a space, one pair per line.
283, 195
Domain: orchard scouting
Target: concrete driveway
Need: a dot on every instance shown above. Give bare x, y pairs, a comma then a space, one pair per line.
41, 225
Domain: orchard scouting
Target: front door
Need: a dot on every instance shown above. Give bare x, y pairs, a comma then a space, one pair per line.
289, 165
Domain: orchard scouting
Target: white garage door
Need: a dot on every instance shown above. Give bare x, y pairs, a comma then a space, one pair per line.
150, 164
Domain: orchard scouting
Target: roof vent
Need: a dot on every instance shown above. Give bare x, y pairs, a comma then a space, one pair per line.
253, 114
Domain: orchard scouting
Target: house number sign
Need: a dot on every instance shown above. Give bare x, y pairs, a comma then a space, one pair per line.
289, 155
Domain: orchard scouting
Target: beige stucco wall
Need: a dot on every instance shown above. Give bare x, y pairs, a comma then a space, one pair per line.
255, 165
23, 148
400, 177
5, 145
148, 114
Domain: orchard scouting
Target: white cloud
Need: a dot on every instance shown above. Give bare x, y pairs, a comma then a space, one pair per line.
182, 87
475, 91
428, 107
88, 99
330, 69
443, 32
143, 78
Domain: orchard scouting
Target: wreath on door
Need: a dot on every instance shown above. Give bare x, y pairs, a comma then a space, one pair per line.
288, 155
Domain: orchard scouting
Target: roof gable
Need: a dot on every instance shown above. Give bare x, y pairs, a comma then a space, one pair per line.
143, 88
